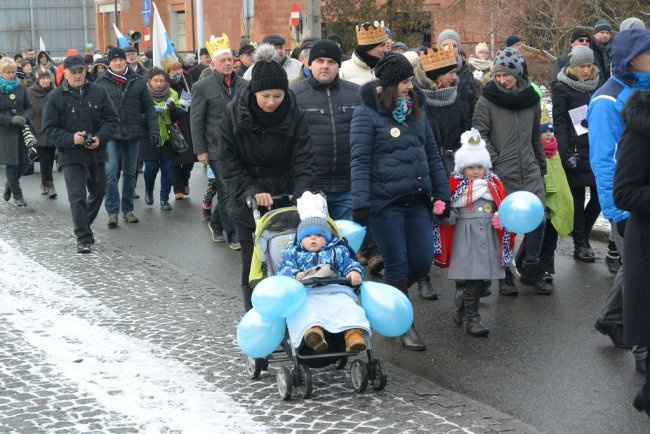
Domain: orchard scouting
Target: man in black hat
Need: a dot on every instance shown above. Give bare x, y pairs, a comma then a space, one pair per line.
245, 58
204, 62
328, 102
601, 44
578, 37
81, 137
292, 67
303, 55
132, 101
334, 37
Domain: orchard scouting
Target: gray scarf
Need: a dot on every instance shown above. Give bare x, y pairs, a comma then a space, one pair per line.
441, 97
581, 86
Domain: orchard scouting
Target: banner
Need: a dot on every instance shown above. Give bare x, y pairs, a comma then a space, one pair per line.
120, 37
163, 50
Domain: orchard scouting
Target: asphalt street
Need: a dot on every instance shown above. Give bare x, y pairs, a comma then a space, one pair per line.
543, 363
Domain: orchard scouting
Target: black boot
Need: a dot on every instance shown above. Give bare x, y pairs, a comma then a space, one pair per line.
410, 339
7, 193
459, 306
531, 276
246, 294
425, 289
14, 185
471, 297
580, 250
642, 400
507, 285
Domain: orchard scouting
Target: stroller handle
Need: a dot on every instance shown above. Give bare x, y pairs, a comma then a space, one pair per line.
252, 204
322, 281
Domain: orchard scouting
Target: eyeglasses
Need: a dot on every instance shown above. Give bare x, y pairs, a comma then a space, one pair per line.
584, 40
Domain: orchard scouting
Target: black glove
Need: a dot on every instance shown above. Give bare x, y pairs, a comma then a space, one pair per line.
620, 227
573, 161
18, 121
361, 216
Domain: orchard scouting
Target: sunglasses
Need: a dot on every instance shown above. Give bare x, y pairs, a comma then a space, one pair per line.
584, 40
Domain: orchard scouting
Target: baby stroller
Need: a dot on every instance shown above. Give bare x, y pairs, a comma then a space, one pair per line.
275, 231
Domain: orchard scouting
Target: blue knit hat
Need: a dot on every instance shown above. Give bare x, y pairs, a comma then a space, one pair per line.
314, 225
546, 127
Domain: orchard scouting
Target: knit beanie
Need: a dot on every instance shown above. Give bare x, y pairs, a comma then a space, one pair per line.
602, 25
325, 48
579, 33
314, 225
632, 23
393, 68
473, 152
512, 40
115, 53
267, 71
546, 127
510, 61
580, 54
448, 34
481, 46
334, 37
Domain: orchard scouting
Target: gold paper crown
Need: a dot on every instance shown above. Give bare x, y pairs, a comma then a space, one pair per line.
216, 45
545, 118
376, 34
437, 58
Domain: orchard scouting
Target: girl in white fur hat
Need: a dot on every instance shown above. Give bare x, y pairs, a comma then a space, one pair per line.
480, 247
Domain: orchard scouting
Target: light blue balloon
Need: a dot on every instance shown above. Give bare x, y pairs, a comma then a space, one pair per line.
278, 296
521, 212
388, 310
259, 336
353, 232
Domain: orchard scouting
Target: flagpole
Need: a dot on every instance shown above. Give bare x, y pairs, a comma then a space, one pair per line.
200, 31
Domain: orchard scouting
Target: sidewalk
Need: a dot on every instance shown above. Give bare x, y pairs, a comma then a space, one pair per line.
118, 341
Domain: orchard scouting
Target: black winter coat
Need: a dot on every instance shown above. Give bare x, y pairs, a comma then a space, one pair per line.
279, 160
186, 157
130, 103
632, 193
68, 111
567, 98
466, 90
12, 144
328, 110
151, 151
391, 160
599, 61
561, 63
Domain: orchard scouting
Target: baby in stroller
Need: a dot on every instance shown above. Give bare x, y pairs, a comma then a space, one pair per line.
317, 253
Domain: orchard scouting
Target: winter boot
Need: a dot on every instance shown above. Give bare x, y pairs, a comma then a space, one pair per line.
425, 289
7, 193
642, 400
14, 185
471, 297
507, 285
459, 306
246, 294
532, 276
44, 188
354, 341
612, 258
51, 190
410, 339
315, 339
581, 251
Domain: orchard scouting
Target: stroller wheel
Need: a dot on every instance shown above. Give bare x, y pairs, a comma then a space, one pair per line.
303, 381
284, 382
254, 367
359, 375
378, 375
340, 363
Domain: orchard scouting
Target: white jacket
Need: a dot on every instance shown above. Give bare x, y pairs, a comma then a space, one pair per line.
356, 71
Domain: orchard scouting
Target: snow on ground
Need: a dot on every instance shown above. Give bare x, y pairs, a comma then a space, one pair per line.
126, 375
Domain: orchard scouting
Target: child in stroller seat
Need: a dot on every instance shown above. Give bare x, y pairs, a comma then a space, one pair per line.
317, 253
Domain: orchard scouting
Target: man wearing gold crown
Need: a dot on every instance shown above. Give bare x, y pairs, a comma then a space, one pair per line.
209, 99
372, 44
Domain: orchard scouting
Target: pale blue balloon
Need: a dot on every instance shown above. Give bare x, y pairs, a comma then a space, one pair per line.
389, 311
521, 212
278, 296
259, 336
353, 232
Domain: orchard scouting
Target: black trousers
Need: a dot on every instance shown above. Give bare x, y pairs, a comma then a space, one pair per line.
46, 162
86, 186
549, 244
182, 174
584, 216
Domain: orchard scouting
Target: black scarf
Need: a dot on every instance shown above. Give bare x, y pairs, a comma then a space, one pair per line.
511, 101
369, 60
604, 50
266, 119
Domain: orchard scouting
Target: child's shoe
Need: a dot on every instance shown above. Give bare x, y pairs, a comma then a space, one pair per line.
354, 341
207, 210
315, 339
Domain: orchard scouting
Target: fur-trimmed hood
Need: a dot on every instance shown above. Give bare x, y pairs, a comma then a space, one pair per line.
370, 98
636, 112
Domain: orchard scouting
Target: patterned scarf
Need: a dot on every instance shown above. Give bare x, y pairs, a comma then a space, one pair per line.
160, 98
7, 86
403, 109
119, 79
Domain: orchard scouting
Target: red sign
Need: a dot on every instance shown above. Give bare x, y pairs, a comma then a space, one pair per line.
295, 15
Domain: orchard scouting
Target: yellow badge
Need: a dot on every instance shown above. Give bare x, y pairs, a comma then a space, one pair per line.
488, 208
12, 96
395, 132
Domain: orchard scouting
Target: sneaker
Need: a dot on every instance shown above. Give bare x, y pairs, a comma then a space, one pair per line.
44, 189
52, 193
165, 206
234, 246
548, 277
112, 221
129, 217
315, 339
217, 235
83, 247
20, 201
206, 209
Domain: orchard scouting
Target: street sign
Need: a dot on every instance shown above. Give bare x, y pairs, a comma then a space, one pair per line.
295, 15
146, 12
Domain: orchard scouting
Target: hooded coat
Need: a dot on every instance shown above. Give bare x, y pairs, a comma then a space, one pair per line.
37, 96
632, 193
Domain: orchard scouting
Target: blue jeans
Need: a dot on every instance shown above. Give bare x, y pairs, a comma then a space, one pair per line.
166, 168
339, 205
404, 235
125, 151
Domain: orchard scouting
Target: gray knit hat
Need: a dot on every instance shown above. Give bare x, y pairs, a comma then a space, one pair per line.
632, 23
602, 25
314, 225
448, 34
510, 61
580, 54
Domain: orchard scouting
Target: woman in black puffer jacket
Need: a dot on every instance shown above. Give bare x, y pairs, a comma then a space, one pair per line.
397, 174
574, 86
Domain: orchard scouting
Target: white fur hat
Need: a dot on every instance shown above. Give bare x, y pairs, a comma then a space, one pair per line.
472, 152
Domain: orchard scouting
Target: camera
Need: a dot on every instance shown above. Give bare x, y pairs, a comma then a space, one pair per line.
88, 140
574, 160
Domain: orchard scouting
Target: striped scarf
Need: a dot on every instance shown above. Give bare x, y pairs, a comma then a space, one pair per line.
119, 79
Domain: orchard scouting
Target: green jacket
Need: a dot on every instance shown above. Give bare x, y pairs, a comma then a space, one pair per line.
559, 200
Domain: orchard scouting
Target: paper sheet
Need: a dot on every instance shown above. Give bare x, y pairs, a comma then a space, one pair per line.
577, 116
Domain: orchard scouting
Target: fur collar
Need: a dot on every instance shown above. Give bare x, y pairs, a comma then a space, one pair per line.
636, 112
370, 98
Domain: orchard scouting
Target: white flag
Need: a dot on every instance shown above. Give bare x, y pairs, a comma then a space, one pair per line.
163, 50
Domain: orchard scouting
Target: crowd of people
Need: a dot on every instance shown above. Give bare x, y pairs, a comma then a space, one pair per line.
419, 144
